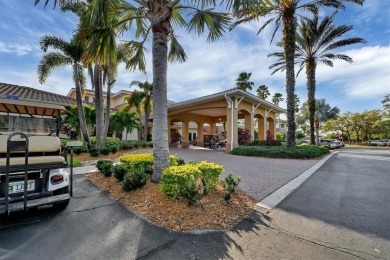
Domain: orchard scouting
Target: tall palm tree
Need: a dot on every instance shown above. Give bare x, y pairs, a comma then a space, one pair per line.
147, 102
68, 53
323, 113
316, 42
158, 20
242, 81
283, 14
277, 98
263, 92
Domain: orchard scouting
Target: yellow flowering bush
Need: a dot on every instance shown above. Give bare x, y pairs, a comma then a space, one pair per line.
145, 160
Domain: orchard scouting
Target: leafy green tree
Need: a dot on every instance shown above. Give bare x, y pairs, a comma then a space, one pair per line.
324, 112
263, 92
386, 105
242, 81
316, 42
67, 54
342, 123
283, 14
277, 98
371, 122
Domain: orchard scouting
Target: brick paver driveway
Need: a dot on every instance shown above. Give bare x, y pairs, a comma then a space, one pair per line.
259, 176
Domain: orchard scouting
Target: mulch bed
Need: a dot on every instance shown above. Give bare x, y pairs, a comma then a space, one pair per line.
211, 212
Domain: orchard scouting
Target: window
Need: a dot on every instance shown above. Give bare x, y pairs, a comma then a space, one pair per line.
93, 100
281, 125
86, 99
193, 136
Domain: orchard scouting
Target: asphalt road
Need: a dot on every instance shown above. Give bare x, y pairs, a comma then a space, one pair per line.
346, 202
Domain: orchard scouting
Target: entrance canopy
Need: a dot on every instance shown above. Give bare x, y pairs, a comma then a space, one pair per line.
29, 107
227, 106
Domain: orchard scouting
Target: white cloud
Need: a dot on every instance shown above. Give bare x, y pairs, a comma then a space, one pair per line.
368, 76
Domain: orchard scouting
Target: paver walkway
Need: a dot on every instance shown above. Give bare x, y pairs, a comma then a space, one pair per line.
259, 176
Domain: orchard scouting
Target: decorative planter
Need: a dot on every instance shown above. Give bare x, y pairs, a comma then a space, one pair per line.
174, 144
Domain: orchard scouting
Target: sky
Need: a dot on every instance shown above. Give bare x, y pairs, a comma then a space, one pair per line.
212, 67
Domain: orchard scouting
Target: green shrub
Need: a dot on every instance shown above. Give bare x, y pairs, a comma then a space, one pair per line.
327, 147
107, 169
99, 163
105, 151
149, 144
230, 186
143, 160
94, 152
110, 141
126, 145
120, 171
135, 145
209, 176
265, 143
79, 150
192, 162
192, 190
114, 149
143, 144
299, 152
77, 163
174, 181
134, 179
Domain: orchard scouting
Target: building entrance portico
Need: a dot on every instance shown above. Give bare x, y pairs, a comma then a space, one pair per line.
225, 108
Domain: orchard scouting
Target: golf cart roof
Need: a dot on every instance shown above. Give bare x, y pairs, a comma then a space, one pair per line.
30, 108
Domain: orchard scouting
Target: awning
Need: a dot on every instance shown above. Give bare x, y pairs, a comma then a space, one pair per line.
28, 107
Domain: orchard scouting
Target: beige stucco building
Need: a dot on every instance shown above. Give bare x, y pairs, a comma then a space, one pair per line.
228, 106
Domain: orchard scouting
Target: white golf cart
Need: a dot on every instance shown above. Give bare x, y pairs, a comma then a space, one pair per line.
32, 172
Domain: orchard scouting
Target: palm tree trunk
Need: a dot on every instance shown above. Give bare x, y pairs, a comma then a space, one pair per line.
289, 50
98, 105
107, 116
160, 114
311, 100
146, 121
317, 123
80, 107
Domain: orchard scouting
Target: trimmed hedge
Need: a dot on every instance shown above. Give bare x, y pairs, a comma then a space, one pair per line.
300, 152
120, 171
265, 143
145, 160
134, 179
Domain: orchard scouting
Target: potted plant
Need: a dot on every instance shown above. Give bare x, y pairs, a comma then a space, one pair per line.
175, 137
195, 142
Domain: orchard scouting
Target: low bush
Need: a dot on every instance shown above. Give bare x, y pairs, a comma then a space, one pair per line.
149, 144
110, 141
79, 150
176, 160
94, 152
230, 186
77, 163
175, 180
107, 169
99, 163
134, 179
143, 144
114, 149
126, 145
145, 160
120, 171
209, 176
265, 143
105, 151
299, 152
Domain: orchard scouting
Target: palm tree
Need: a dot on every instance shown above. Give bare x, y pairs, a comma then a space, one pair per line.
262, 92
277, 98
134, 100
315, 42
69, 53
242, 81
156, 20
147, 102
124, 119
323, 113
71, 117
283, 14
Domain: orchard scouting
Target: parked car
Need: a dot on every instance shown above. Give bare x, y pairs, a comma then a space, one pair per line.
338, 143
329, 143
382, 143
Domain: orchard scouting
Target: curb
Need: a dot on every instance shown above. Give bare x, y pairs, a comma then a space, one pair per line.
280, 194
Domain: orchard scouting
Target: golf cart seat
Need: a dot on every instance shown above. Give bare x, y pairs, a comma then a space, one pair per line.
37, 144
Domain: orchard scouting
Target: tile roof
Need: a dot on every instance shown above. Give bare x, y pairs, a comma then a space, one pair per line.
233, 92
32, 94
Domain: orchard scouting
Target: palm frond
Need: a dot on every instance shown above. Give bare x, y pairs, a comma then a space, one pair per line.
49, 62
137, 56
176, 51
215, 22
54, 42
